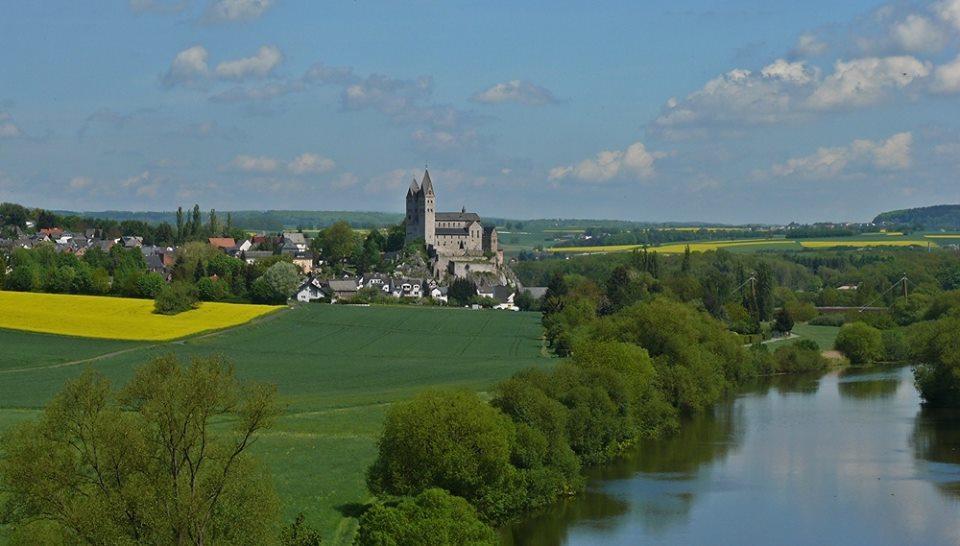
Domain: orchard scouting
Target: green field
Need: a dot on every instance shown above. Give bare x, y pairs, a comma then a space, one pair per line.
824, 336
337, 369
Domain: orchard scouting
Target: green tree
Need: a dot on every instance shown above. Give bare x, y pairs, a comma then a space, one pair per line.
214, 224
298, 533
685, 264
447, 439
783, 322
175, 298
861, 343
462, 291
23, 278
432, 517
150, 284
764, 289
276, 284
338, 242
180, 232
196, 222
145, 465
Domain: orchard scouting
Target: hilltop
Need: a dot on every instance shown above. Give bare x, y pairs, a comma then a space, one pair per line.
935, 217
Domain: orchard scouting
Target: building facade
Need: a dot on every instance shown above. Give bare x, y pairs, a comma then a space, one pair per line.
446, 233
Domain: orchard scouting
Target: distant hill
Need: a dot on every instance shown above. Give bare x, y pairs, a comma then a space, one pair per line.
936, 217
266, 220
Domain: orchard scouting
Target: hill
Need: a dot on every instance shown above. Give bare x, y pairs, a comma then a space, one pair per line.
935, 217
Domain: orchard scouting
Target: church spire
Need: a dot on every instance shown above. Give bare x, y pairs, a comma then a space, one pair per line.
427, 185
414, 188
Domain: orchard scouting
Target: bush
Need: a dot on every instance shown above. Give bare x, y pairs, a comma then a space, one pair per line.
432, 517
861, 343
833, 319
937, 347
783, 322
150, 284
799, 357
209, 289
176, 298
801, 311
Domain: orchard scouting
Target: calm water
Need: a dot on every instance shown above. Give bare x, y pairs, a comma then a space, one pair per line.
842, 459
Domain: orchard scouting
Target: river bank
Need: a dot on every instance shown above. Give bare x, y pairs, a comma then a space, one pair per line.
849, 457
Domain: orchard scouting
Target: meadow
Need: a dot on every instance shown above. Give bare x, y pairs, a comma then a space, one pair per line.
337, 370
116, 318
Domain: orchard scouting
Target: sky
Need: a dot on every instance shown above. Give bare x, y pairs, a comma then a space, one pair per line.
728, 111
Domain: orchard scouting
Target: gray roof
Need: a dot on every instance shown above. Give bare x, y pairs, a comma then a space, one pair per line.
457, 216
349, 285
296, 238
426, 185
502, 293
451, 231
257, 254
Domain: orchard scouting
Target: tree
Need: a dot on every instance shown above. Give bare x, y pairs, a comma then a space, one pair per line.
180, 232
299, 533
525, 301
276, 284
163, 235
150, 284
462, 291
861, 343
196, 223
145, 465
432, 517
396, 237
214, 224
448, 439
12, 214
783, 322
23, 278
764, 288
175, 298
338, 242
685, 264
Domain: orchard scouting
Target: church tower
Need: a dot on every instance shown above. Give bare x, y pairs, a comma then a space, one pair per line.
427, 207
414, 220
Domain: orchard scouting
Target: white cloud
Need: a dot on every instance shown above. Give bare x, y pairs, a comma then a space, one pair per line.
808, 45
949, 11
892, 154
189, 66
345, 180
220, 11
254, 164
518, 91
797, 73
918, 34
80, 182
634, 162
866, 81
308, 163
258, 66
946, 78
8, 129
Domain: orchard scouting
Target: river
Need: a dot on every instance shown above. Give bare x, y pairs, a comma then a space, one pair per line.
846, 458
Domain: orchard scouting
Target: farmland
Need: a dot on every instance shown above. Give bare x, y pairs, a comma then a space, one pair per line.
754, 245
337, 369
115, 318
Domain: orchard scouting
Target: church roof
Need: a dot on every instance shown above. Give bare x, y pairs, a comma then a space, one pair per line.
459, 216
427, 184
414, 188
452, 231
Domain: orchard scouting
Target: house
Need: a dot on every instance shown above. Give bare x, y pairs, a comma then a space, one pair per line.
294, 242
244, 246
222, 243
342, 289
439, 293
504, 296
304, 261
131, 241
252, 256
376, 280
406, 288
310, 290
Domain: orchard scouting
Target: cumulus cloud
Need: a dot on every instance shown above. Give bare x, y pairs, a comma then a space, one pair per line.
918, 34
949, 11
634, 162
258, 66
860, 82
254, 164
189, 66
892, 154
517, 91
308, 163
8, 129
222, 11
946, 78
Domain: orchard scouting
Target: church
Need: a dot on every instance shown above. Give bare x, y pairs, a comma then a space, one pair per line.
458, 241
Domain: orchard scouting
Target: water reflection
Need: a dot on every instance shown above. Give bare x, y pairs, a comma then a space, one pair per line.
657, 482
786, 462
936, 444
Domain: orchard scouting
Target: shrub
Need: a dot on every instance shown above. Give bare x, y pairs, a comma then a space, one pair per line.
150, 284
799, 357
783, 322
861, 343
937, 347
801, 311
209, 289
175, 298
432, 517
833, 319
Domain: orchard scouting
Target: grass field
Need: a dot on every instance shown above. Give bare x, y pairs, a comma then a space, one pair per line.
824, 336
116, 318
857, 243
679, 248
337, 369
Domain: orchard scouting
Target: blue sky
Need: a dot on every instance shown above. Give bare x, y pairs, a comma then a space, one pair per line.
726, 111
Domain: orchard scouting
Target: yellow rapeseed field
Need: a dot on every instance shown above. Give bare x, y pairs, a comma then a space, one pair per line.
856, 243
116, 318
675, 248
943, 236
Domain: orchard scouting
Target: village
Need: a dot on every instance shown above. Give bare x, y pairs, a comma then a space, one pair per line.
438, 250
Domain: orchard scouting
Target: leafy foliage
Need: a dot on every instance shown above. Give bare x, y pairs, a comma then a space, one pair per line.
176, 298
432, 517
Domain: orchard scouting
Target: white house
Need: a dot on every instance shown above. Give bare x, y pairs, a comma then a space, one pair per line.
310, 290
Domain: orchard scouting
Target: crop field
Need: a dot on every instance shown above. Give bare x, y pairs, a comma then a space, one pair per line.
678, 248
116, 318
337, 370
857, 243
